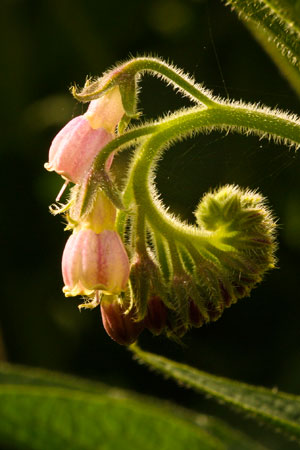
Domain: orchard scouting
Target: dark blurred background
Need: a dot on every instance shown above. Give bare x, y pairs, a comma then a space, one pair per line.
45, 47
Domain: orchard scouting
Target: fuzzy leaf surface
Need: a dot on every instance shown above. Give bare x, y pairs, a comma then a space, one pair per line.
276, 25
40, 409
276, 408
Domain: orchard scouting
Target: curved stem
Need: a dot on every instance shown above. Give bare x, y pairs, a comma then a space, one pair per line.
238, 117
170, 73
261, 122
131, 69
242, 118
121, 142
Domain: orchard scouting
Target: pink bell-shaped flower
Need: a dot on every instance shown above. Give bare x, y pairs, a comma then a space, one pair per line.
74, 148
94, 261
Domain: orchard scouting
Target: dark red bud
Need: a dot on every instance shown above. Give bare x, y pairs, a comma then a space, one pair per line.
225, 295
121, 327
176, 328
177, 331
196, 318
243, 286
156, 316
180, 332
214, 311
240, 291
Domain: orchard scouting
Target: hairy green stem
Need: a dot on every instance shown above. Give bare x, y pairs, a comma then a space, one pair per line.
261, 122
184, 83
121, 142
223, 116
124, 74
241, 118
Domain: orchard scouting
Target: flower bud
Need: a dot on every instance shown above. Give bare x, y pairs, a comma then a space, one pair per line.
103, 215
156, 317
74, 148
119, 324
214, 311
195, 316
142, 275
243, 224
100, 216
176, 328
107, 111
225, 294
94, 261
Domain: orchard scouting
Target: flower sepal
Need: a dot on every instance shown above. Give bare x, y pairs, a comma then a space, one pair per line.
122, 78
90, 209
94, 200
146, 281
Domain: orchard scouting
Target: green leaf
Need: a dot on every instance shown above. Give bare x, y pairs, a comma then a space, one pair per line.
44, 410
276, 408
276, 25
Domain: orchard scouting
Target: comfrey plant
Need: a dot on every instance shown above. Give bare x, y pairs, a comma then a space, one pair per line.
128, 254
142, 267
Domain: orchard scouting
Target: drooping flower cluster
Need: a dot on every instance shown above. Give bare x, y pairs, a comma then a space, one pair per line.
171, 276
94, 259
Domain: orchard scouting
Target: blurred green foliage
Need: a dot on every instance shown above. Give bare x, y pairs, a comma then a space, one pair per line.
47, 46
66, 412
